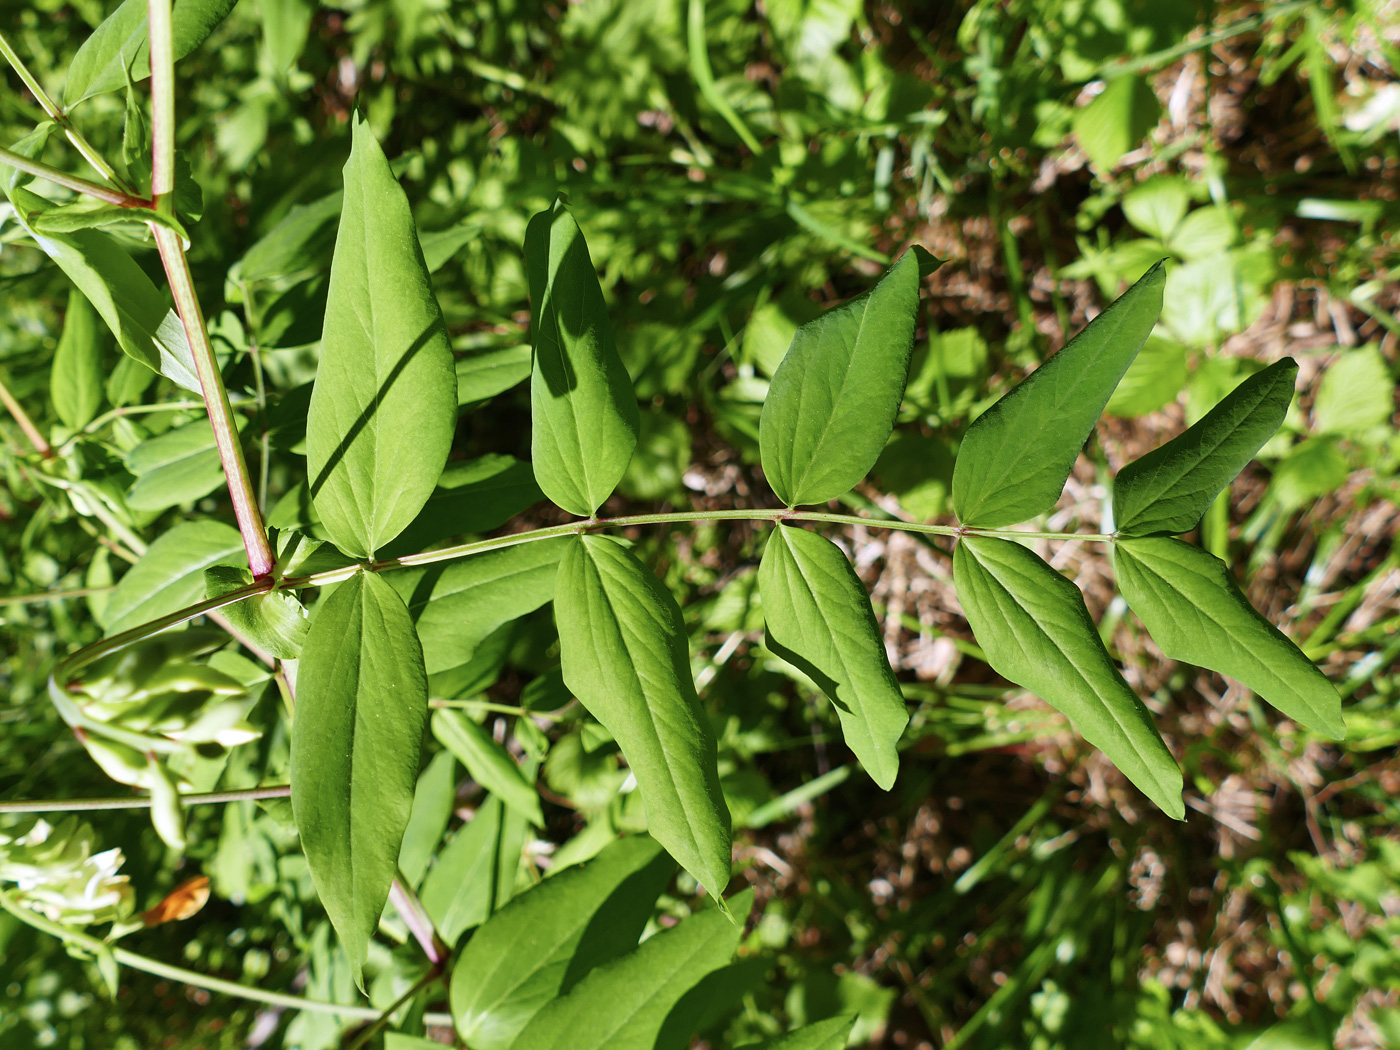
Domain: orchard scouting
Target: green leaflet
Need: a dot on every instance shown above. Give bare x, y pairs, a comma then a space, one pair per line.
622, 1005
1033, 625
626, 657
384, 406
137, 313
830, 1034
476, 873
1015, 457
489, 764
1196, 613
176, 467
170, 575
819, 619
1170, 488
455, 605
491, 372
362, 702
432, 809
75, 383
275, 621
120, 45
584, 413
833, 400
547, 939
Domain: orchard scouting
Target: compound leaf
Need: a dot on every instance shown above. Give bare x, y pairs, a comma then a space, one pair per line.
120, 46
584, 412
489, 764
819, 619
1033, 625
361, 707
1015, 457
622, 1005
384, 406
626, 657
834, 397
1196, 612
1170, 488
546, 940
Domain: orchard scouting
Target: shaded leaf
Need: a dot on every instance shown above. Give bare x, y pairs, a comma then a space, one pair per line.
170, 575
301, 243
456, 604
427, 822
830, 1034
362, 703
475, 495
489, 764
584, 413
75, 383
1356, 393
491, 372
833, 400
1196, 612
626, 657
120, 46
1014, 459
176, 467
1035, 630
1170, 488
547, 939
475, 874
623, 1004
384, 406
819, 619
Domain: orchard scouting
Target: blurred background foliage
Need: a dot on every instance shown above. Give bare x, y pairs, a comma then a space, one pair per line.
736, 167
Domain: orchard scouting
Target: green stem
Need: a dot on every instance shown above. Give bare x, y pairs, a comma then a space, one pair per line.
79, 805
51, 596
362, 1040
162, 106
72, 182
190, 977
26, 424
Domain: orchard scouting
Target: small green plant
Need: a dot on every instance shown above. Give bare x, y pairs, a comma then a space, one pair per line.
560, 964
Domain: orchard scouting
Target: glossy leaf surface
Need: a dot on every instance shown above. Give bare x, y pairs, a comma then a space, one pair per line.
1035, 630
1171, 487
1196, 612
833, 400
819, 619
362, 701
547, 939
1014, 459
626, 657
384, 406
584, 413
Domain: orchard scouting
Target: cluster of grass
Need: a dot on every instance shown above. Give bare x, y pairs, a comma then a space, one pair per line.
737, 167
